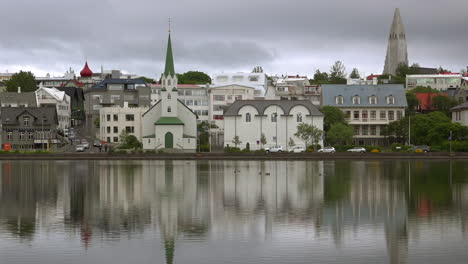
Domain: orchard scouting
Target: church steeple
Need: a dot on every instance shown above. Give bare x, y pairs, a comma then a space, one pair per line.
397, 51
169, 68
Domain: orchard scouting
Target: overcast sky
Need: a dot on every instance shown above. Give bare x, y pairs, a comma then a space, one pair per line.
293, 37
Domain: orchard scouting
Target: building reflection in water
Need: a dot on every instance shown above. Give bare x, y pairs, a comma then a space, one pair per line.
197, 201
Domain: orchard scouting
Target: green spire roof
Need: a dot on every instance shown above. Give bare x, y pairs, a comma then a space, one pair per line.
169, 68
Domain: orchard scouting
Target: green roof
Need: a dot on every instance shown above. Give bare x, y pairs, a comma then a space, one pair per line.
169, 68
169, 121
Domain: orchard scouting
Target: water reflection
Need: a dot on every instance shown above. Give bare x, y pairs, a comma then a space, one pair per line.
356, 206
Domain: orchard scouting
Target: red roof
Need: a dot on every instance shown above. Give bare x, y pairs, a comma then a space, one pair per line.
86, 71
425, 100
77, 83
372, 76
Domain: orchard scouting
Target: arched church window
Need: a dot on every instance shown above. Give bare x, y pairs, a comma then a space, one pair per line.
169, 109
248, 118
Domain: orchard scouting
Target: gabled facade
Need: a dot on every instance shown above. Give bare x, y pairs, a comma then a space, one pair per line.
47, 97
368, 108
169, 124
460, 114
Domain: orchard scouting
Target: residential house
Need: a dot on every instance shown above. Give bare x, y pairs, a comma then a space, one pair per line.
77, 98
116, 120
255, 80
368, 108
25, 128
434, 81
19, 99
114, 92
460, 114
458, 94
46, 97
276, 120
293, 88
169, 124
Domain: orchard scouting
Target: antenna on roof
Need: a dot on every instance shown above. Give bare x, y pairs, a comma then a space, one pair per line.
169, 25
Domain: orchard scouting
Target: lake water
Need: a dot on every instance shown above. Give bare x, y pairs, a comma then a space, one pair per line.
233, 212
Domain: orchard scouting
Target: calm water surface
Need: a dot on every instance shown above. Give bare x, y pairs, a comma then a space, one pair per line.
233, 212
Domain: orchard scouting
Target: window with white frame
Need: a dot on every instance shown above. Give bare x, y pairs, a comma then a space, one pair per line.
248, 118
274, 117
26, 121
373, 99
390, 99
356, 99
399, 115
10, 135
391, 115
339, 99
383, 115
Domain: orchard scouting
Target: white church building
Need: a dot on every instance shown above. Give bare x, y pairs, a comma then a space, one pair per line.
276, 120
169, 124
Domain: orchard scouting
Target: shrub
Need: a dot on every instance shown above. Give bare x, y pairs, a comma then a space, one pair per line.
232, 149
160, 151
310, 148
205, 148
150, 151
374, 150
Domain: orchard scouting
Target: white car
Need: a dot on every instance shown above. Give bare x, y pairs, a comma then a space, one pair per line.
80, 148
85, 143
297, 149
327, 150
274, 149
357, 149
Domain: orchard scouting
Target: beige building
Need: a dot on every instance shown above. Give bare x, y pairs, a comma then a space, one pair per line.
460, 114
116, 120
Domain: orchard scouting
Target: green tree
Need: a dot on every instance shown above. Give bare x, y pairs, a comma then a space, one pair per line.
25, 80
97, 122
413, 103
337, 73
355, 74
443, 104
332, 115
320, 77
340, 133
423, 89
236, 141
263, 140
147, 80
308, 133
129, 141
193, 77
403, 70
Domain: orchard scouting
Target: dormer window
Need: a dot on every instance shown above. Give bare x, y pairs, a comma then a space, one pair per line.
390, 99
356, 99
26, 121
339, 100
169, 109
373, 99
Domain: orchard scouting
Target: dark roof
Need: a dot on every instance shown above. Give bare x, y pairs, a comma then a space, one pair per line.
73, 92
103, 84
9, 115
261, 105
18, 98
460, 107
381, 91
422, 70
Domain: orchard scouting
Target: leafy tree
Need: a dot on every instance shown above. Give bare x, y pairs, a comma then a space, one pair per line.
147, 80
413, 102
236, 141
257, 69
355, 74
332, 115
25, 80
308, 133
443, 104
193, 77
320, 77
263, 140
403, 70
97, 122
337, 73
129, 141
340, 133
423, 89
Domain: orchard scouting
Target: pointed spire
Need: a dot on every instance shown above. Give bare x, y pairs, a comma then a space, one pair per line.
398, 29
169, 68
397, 50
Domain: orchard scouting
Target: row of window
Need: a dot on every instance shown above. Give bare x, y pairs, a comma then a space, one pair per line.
357, 99
196, 102
63, 107
192, 92
115, 117
201, 112
273, 117
366, 130
28, 135
218, 97
128, 129
372, 115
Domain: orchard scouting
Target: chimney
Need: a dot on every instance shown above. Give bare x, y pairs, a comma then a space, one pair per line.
19, 89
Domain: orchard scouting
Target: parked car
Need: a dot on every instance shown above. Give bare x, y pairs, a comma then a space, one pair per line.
297, 149
97, 143
327, 150
274, 149
357, 149
80, 148
422, 148
85, 143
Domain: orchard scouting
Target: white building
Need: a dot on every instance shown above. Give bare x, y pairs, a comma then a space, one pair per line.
117, 119
434, 81
277, 120
293, 88
368, 108
257, 81
169, 124
460, 114
61, 101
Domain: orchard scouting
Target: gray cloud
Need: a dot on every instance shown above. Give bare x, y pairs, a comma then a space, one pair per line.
297, 36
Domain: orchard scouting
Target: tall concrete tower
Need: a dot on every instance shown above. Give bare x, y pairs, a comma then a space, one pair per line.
397, 50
